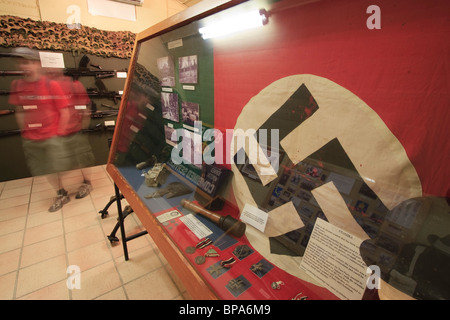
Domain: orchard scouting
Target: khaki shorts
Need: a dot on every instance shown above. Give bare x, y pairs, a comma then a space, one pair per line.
78, 149
57, 154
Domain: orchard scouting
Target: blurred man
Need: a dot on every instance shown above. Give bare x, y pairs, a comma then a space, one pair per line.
42, 114
77, 147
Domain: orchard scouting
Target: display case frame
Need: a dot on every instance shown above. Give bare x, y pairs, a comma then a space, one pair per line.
331, 177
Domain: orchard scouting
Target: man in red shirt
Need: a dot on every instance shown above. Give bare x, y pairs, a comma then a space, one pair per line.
42, 114
77, 146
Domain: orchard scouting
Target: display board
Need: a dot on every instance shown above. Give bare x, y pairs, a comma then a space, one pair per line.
281, 149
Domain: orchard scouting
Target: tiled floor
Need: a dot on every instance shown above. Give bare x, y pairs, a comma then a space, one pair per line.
37, 246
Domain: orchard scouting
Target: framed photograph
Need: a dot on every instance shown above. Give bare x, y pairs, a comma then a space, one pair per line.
169, 105
166, 69
187, 69
190, 112
171, 136
192, 151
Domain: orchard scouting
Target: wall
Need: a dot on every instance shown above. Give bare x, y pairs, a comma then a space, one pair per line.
13, 164
151, 12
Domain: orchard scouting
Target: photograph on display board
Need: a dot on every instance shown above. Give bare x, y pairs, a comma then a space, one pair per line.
166, 69
169, 103
190, 112
188, 69
192, 151
171, 136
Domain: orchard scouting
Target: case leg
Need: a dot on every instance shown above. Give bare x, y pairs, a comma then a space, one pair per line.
104, 212
122, 228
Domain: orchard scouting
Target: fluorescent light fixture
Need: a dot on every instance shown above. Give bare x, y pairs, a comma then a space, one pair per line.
246, 21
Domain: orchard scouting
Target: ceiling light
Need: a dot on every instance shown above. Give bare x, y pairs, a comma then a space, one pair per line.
246, 21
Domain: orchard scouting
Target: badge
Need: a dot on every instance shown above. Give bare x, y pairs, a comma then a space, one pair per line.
200, 260
190, 250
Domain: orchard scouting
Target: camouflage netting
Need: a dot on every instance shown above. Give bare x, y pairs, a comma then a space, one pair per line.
45, 35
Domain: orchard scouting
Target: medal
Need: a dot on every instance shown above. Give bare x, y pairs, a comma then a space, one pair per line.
211, 253
190, 250
204, 243
227, 263
199, 260
277, 285
299, 296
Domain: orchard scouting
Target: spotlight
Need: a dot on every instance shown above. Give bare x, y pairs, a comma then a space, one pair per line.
246, 21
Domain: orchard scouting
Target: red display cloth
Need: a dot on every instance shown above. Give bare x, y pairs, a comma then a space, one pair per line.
401, 70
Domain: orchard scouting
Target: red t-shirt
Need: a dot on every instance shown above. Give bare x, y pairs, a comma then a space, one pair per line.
41, 101
79, 103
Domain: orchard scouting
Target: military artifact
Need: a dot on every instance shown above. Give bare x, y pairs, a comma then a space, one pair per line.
190, 250
173, 189
226, 223
101, 92
211, 253
213, 179
200, 260
156, 176
6, 112
146, 163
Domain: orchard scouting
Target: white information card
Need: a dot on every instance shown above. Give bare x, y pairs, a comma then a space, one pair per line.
254, 217
196, 226
332, 257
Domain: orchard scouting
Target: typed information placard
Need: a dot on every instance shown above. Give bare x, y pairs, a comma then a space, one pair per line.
332, 258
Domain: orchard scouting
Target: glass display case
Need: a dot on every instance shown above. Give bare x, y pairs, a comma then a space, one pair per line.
263, 147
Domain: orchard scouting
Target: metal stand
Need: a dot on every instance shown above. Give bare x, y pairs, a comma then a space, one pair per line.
120, 221
113, 199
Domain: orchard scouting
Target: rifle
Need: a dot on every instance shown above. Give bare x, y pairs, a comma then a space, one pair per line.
103, 114
11, 73
99, 92
102, 92
75, 73
97, 128
6, 112
95, 93
5, 133
83, 70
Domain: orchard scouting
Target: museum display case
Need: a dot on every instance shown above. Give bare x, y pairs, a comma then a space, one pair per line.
262, 146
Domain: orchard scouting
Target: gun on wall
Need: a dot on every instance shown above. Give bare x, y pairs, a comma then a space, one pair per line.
113, 95
6, 112
75, 73
83, 70
99, 92
104, 114
102, 92
6, 133
97, 128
